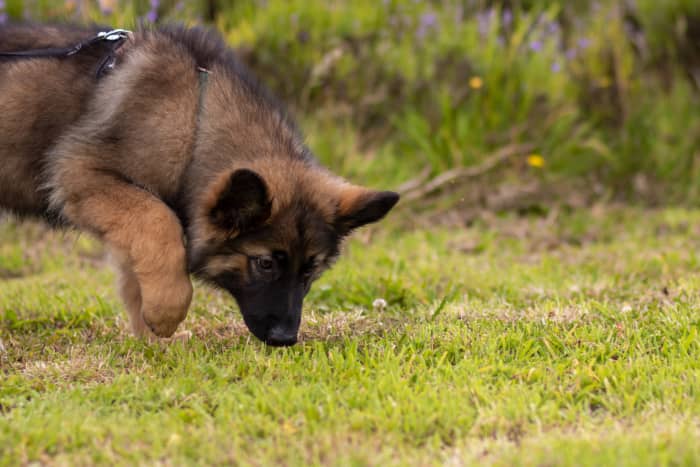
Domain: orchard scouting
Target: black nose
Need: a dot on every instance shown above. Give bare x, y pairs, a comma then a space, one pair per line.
278, 337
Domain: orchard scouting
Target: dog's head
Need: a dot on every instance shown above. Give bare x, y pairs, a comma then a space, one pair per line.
266, 235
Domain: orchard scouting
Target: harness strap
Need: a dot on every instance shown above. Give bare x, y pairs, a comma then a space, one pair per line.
114, 38
203, 82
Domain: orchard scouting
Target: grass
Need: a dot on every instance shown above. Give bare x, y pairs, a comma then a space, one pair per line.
570, 339
566, 339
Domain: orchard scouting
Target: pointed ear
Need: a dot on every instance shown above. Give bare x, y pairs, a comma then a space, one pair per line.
360, 206
243, 204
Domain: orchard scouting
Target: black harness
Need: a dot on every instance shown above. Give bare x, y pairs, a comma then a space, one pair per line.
112, 39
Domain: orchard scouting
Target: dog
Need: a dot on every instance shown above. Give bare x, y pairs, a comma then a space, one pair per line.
162, 145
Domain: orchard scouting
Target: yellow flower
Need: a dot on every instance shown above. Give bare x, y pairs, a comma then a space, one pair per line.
288, 427
476, 82
535, 160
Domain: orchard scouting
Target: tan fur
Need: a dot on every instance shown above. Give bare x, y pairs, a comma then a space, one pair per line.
142, 157
130, 291
219, 264
152, 252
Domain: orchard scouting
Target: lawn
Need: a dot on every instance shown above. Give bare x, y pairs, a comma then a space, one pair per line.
557, 336
564, 339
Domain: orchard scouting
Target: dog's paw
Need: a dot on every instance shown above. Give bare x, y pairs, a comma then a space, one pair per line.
178, 337
162, 328
164, 313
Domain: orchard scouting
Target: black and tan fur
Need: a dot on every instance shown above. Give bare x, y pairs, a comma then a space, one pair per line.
225, 190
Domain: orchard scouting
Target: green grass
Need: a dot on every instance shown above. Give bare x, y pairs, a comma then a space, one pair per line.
565, 340
568, 339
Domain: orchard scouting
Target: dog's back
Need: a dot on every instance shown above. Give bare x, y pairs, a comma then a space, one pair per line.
40, 98
29, 37
148, 93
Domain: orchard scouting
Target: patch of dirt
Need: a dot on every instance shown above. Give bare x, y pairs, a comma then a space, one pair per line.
463, 203
12, 274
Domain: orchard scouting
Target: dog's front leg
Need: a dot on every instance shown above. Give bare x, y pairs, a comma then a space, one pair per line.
144, 235
130, 292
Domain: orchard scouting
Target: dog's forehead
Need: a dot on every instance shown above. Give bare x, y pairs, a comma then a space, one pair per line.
306, 230
298, 230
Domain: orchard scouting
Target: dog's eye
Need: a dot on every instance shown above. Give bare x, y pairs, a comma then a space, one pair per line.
264, 263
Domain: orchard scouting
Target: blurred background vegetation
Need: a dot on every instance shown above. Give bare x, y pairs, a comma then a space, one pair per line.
487, 103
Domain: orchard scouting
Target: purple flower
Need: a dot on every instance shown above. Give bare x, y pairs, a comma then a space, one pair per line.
3, 18
484, 21
553, 28
507, 18
2, 4
536, 45
427, 21
583, 43
106, 7
152, 14
571, 54
556, 67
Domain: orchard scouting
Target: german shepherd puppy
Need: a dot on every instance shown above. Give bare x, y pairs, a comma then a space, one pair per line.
180, 162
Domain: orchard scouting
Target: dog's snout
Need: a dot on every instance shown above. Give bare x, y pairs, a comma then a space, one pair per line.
269, 319
280, 337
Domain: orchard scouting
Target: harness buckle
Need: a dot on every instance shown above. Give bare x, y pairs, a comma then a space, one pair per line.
114, 34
